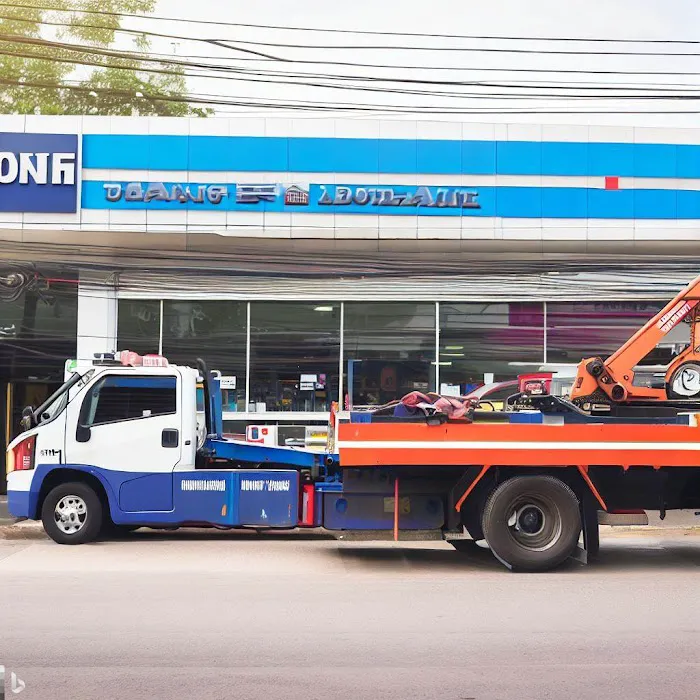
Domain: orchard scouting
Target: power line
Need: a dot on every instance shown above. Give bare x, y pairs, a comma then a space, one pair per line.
387, 90
423, 67
230, 43
327, 107
472, 49
286, 78
266, 57
432, 68
335, 30
160, 35
229, 70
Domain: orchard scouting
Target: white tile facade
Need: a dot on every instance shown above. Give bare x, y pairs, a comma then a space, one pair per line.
300, 224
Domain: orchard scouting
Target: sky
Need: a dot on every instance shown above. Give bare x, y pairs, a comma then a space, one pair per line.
611, 19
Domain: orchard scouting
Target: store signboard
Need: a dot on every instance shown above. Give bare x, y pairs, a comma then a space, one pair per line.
38, 173
160, 192
313, 198
307, 382
408, 197
227, 382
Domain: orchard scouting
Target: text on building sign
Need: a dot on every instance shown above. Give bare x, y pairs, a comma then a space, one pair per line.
159, 192
37, 168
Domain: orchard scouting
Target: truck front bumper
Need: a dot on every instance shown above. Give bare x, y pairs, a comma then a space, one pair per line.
18, 503
21, 499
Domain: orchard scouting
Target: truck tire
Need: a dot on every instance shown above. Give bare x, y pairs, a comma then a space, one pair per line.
532, 523
72, 513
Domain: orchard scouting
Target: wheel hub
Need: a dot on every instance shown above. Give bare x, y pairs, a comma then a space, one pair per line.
530, 520
70, 514
534, 523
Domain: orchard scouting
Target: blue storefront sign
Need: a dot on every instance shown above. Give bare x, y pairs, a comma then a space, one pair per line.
507, 201
38, 172
523, 194
281, 197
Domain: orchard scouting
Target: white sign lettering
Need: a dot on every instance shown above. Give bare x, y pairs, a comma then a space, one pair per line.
673, 317
34, 167
265, 485
203, 485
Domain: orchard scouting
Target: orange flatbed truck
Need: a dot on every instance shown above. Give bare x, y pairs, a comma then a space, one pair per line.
531, 489
531, 482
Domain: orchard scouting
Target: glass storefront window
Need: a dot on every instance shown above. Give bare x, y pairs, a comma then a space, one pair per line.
214, 331
482, 339
389, 347
38, 330
138, 326
389, 350
576, 330
38, 333
294, 355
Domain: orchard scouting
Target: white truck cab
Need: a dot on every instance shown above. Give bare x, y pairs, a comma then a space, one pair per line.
117, 445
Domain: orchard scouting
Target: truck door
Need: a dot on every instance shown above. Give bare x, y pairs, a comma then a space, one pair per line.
128, 426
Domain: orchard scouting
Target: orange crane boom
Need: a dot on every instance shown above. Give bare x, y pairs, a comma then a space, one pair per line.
612, 380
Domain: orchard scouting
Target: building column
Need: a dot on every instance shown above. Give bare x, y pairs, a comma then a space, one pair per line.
97, 316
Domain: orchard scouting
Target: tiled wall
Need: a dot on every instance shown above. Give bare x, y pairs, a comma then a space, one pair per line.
546, 182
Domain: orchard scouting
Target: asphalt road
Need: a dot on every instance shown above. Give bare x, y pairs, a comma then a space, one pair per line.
236, 616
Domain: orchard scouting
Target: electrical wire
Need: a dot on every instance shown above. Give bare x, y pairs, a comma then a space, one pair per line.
335, 30
469, 49
213, 42
266, 57
250, 258
232, 44
383, 90
138, 56
449, 95
329, 107
564, 93
424, 67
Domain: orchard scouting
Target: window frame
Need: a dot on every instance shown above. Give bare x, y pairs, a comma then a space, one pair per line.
86, 405
547, 330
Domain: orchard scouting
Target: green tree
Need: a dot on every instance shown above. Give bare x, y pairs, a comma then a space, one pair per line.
67, 60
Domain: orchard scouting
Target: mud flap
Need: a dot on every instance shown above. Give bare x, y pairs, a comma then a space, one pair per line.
591, 533
580, 555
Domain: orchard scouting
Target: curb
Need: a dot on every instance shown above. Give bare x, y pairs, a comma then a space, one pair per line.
22, 530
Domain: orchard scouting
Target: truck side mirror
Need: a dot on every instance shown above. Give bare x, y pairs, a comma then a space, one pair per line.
82, 433
27, 421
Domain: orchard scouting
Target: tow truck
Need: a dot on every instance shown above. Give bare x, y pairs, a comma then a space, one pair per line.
119, 446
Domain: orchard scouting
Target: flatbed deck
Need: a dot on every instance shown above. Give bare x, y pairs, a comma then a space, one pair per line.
518, 444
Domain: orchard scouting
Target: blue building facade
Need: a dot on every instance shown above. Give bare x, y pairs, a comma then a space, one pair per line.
320, 260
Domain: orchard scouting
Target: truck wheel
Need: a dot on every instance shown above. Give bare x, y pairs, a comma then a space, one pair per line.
532, 523
72, 513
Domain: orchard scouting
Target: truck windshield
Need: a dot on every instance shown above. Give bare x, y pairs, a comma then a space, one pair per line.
58, 400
